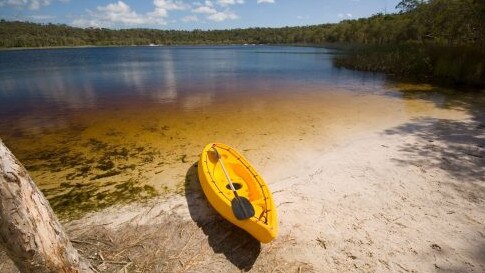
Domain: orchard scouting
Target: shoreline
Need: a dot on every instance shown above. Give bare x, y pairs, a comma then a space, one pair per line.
402, 194
148, 45
424, 63
117, 156
47, 47
334, 46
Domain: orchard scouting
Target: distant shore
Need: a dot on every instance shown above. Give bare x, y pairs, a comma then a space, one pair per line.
47, 47
331, 46
461, 65
68, 47
436, 64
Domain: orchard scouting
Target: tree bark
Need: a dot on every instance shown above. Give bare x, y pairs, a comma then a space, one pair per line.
29, 230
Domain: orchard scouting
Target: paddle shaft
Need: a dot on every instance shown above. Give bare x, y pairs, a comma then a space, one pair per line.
241, 206
225, 171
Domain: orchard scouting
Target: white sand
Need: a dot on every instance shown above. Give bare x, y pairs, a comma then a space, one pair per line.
404, 196
376, 213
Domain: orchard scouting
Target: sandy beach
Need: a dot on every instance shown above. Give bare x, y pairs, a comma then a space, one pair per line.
376, 184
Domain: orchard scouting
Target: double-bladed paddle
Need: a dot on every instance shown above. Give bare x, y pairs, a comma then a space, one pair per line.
241, 207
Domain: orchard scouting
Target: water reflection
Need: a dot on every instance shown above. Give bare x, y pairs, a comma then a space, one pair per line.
133, 74
94, 77
169, 92
57, 87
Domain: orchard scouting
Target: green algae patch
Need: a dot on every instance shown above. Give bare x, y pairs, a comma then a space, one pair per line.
79, 199
106, 174
87, 174
105, 164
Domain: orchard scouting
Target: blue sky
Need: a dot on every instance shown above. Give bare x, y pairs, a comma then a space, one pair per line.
191, 14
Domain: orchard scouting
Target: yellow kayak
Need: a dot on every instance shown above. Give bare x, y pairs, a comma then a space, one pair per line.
263, 225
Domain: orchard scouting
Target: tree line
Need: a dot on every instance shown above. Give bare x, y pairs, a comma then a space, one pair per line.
436, 40
446, 22
27, 34
442, 22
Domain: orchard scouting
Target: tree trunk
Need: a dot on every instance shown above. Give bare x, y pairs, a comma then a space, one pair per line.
29, 230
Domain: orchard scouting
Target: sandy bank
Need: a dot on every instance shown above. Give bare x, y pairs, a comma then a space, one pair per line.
382, 201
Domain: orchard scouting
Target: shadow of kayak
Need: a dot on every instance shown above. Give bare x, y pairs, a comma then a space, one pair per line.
240, 248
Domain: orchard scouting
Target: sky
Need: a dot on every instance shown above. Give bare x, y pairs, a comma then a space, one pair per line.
191, 14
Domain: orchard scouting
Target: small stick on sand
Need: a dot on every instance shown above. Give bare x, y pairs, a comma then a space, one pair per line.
321, 242
284, 203
110, 262
125, 268
83, 242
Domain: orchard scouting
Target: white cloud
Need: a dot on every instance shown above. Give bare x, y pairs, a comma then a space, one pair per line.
266, 1
30, 4
120, 13
215, 15
230, 2
222, 16
41, 17
190, 18
170, 5
204, 10
344, 15
86, 22
163, 6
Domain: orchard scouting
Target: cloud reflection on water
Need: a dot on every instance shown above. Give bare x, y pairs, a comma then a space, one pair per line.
168, 91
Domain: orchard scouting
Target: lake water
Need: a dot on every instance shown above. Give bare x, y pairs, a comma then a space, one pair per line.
70, 80
98, 126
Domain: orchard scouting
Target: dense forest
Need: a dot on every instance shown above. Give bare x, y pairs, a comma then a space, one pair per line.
25, 34
450, 22
437, 40
430, 37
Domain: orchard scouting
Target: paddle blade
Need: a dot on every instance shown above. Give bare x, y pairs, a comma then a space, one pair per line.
242, 208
